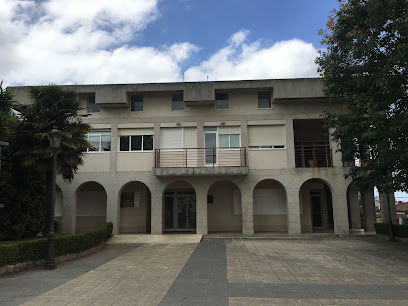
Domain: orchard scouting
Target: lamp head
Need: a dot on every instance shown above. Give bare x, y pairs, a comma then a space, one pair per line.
55, 138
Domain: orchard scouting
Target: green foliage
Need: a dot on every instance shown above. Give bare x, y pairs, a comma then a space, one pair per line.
399, 230
364, 68
30, 250
21, 189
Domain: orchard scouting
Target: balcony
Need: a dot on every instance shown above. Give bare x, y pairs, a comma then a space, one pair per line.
200, 161
313, 157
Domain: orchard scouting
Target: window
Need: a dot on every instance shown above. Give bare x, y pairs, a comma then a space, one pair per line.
266, 137
100, 141
171, 138
136, 103
130, 199
136, 143
177, 102
228, 141
221, 101
92, 106
264, 99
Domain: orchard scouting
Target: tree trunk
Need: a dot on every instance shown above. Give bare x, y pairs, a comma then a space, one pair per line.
390, 230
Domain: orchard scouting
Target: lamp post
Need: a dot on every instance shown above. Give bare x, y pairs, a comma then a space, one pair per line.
55, 141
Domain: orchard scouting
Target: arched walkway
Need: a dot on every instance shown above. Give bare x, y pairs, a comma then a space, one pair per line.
91, 206
270, 207
179, 208
316, 208
135, 208
224, 212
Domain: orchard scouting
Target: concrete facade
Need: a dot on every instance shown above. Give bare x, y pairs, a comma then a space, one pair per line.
266, 186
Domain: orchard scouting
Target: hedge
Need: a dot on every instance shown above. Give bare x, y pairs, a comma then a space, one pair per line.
36, 249
399, 230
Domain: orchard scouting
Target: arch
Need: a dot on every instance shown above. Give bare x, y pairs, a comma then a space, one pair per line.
224, 212
135, 202
270, 207
316, 206
179, 208
91, 202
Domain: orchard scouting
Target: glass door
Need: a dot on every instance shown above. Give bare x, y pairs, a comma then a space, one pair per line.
210, 140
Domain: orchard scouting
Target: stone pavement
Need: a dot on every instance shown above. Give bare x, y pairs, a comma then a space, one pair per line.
328, 271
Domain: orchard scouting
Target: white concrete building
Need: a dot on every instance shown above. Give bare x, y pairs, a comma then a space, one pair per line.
235, 156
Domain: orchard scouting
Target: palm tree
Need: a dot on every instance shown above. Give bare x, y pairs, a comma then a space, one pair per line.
52, 106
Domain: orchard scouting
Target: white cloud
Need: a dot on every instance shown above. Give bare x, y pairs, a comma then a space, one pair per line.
88, 42
239, 61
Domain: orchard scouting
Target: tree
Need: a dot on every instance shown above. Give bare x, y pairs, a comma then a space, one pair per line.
365, 67
22, 190
52, 106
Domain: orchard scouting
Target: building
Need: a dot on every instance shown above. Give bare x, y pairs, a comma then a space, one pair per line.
235, 156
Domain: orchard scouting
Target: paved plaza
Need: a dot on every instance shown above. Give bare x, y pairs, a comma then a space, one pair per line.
183, 271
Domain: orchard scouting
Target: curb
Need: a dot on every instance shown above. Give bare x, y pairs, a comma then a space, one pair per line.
24, 266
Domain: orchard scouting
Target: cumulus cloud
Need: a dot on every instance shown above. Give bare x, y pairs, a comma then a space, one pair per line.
243, 61
88, 42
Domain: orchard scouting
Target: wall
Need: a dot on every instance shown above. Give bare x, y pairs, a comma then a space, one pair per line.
267, 158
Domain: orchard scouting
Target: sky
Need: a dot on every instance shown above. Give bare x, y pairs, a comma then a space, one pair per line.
133, 41
136, 41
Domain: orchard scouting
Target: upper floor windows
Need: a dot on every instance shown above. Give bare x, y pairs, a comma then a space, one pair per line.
264, 99
177, 102
100, 141
136, 143
92, 106
136, 103
221, 101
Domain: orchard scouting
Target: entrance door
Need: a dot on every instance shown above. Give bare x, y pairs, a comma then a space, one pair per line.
317, 213
180, 211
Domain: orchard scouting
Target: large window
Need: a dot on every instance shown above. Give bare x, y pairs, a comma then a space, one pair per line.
177, 102
136, 143
92, 106
266, 137
100, 141
264, 99
136, 103
228, 141
221, 101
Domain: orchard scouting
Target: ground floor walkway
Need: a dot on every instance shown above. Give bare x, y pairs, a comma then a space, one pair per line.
286, 271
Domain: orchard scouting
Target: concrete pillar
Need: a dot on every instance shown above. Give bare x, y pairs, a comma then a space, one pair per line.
293, 211
334, 146
247, 203
157, 212
290, 143
385, 209
354, 207
369, 218
114, 147
113, 208
340, 211
201, 210
69, 205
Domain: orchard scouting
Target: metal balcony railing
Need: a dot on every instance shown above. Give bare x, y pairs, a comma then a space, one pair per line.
313, 157
200, 157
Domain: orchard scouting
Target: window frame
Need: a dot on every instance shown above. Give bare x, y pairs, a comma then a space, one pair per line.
100, 134
130, 144
173, 100
270, 99
229, 142
142, 102
217, 99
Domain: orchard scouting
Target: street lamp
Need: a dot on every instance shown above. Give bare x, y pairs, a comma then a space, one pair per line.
55, 141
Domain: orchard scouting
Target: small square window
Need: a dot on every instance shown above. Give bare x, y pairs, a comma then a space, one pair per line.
92, 106
264, 99
221, 101
177, 102
136, 103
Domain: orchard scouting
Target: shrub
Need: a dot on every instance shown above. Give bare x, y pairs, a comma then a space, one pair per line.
399, 230
30, 250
